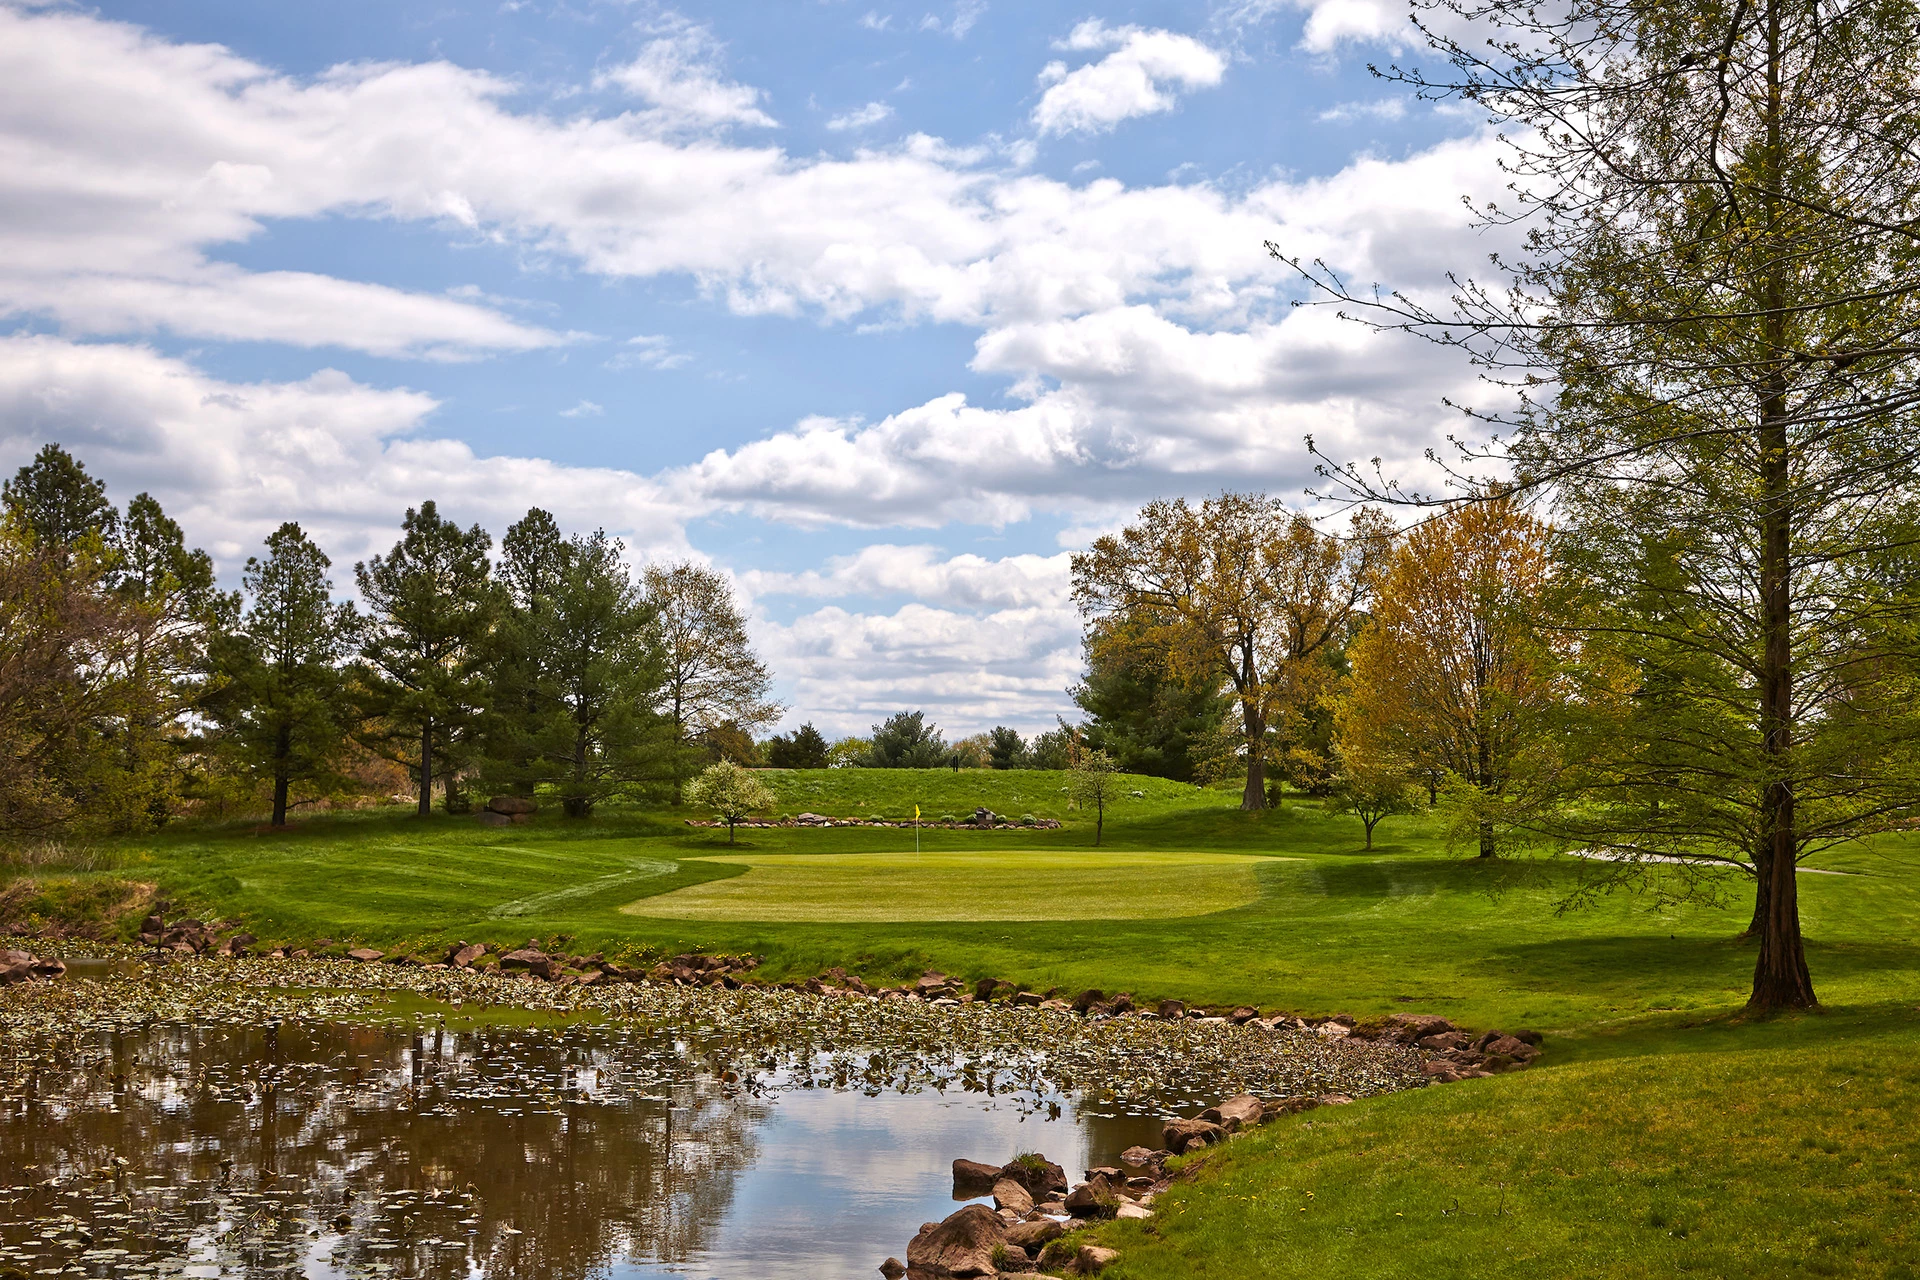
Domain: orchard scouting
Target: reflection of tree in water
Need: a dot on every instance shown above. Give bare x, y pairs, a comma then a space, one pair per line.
543, 1153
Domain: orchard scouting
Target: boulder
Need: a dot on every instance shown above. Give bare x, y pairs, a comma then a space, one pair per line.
1513, 1047
961, 1245
1008, 1194
971, 1178
1444, 1041
463, 955
49, 969
893, 1269
1140, 1158
365, 955
1172, 1009
1092, 1259
1087, 999
1408, 1028
1028, 998
1094, 1198
488, 818
1033, 1235
1181, 1134
1132, 1211
1122, 1003
511, 805
15, 966
1243, 1015
1037, 1174
1243, 1111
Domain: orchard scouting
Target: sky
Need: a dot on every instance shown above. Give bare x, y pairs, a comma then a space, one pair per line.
883, 309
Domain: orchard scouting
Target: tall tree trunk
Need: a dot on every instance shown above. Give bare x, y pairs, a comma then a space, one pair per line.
282, 748
1780, 977
1254, 798
1762, 889
426, 769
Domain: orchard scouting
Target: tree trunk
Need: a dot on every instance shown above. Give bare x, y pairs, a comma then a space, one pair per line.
1254, 798
580, 804
1488, 847
1762, 891
282, 748
1099, 820
1369, 821
1780, 977
426, 769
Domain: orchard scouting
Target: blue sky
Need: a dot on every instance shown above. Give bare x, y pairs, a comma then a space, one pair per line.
881, 308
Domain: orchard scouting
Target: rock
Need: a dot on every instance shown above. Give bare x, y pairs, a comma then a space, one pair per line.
463, 955
1444, 1041
1486, 1038
1037, 1174
931, 982
1132, 1211
1513, 1047
365, 955
1172, 1009
1028, 998
524, 958
15, 966
1243, 1015
1407, 1028
1334, 1100
1243, 1111
1008, 1194
893, 1269
488, 818
1533, 1038
1033, 1235
1092, 1259
1181, 1134
1141, 1158
1087, 999
971, 1178
1122, 1003
49, 969
1094, 1198
961, 1245
512, 805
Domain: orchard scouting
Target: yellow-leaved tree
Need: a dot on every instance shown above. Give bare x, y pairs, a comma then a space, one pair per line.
1454, 676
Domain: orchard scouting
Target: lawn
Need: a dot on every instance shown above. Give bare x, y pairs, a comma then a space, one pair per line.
988, 884
1661, 1133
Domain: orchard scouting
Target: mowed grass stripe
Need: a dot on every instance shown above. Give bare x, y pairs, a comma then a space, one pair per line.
1001, 885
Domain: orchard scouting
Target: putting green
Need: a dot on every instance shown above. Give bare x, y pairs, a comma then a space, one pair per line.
1051, 885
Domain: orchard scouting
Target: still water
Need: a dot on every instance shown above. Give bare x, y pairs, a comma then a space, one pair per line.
317, 1149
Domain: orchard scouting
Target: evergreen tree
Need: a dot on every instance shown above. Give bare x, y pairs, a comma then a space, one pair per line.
1147, 721
57, 502
1006, 749
280, 710
431, 609
533, 562
805, 748
907, 741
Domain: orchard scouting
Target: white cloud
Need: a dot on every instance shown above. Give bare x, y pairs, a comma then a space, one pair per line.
1377, 109
677, 72
1132, 80
231, 461
649, 351
876, 22
584, 409
924, 573
872, 113
965, 14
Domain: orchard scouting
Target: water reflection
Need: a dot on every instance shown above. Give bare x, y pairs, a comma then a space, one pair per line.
323, 1150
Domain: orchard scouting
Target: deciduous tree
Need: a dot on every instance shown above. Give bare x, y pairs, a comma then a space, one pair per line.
1236, 593
712, 673
730, 792
1453, 672
1095, 782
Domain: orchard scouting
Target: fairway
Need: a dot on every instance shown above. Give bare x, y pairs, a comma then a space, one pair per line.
1002, 885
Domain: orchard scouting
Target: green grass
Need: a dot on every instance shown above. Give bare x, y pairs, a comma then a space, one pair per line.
1660, 1135
989, 884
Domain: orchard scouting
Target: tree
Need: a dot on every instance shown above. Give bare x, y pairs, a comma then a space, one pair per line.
174, 609
1372, 789
730, 740
1006, 749
804, 748
1149, 722
731, 792
1054, 749
431, 608
973, 752
56, 502
712, 673
1095, 780
1238, 592
604, 735
519, 660
1453, 673
1711, 332
907, 741
849, 753
279, 706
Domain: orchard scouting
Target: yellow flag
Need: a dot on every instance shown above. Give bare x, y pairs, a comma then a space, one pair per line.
916, 813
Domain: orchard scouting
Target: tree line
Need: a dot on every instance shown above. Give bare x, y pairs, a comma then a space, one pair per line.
134, 689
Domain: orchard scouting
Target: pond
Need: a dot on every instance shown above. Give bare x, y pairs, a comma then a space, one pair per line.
195, 1123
